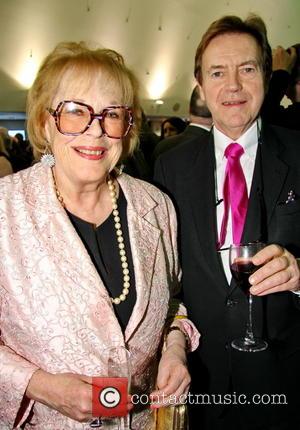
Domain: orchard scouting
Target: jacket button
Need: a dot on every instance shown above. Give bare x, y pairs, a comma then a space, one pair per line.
231, 303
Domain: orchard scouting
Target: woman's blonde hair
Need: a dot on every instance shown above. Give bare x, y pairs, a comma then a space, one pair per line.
2, 147
83, 66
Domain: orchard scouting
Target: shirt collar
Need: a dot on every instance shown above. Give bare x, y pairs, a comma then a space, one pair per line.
205, 127
249, 140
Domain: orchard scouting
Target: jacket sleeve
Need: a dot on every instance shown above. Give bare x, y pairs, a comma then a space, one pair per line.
177, 314
15, 373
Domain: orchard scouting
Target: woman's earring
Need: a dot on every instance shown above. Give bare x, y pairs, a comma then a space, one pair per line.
119, 169
48, 158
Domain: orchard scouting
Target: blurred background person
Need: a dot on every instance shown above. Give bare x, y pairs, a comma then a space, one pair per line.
88, 257
200, 124
21, 154
172, 126
5, 165
285, 81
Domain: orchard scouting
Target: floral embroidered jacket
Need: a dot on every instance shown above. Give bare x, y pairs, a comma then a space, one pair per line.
55, 313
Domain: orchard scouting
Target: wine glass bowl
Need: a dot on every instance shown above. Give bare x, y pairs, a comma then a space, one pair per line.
241, 266
117, 364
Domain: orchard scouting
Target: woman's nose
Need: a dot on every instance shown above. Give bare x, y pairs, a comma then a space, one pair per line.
95, 128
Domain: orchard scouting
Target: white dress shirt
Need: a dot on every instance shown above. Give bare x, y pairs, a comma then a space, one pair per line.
249, 141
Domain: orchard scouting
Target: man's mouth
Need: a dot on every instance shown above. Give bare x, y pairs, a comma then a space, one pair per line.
234, 103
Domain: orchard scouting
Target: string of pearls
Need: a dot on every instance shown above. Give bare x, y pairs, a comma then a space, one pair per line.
126, 278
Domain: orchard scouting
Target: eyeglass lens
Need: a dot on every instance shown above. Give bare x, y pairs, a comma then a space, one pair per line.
75, 118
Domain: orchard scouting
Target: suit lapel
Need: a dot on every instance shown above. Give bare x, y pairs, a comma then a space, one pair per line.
268, 179
201, 181
274, 170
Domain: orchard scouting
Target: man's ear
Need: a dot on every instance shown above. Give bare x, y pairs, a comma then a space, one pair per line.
202, 95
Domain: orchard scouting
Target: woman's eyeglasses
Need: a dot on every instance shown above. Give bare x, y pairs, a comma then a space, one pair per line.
74, 118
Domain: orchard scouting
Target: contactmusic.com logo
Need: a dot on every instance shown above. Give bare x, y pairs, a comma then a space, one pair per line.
109, 397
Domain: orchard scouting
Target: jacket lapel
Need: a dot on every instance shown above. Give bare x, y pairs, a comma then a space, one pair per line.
201, 181
144, 241
274, 169
69, 251
269, 177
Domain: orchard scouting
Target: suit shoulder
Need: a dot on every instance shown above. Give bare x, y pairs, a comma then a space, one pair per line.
184, 153
288, 136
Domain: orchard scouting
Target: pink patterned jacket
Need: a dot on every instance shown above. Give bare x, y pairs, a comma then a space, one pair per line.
55, 313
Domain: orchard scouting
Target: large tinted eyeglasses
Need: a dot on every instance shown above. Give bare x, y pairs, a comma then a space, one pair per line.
74, 118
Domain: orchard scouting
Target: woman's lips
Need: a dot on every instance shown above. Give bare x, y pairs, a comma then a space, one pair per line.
91, 153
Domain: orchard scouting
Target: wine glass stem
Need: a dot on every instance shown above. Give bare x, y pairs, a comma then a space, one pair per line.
249, 330
124, 423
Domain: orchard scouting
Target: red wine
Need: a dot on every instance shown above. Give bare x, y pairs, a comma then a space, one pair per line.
241, 270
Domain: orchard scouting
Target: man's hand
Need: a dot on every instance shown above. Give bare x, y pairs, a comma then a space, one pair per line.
283, 59
279, 271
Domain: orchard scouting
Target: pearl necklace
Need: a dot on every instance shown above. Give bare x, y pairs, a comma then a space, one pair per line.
119, 234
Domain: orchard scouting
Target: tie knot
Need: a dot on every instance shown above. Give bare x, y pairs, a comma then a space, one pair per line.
234, 150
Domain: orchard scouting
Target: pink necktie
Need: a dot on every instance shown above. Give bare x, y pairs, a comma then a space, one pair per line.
234, 194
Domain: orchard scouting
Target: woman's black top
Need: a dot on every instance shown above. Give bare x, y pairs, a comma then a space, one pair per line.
102, 246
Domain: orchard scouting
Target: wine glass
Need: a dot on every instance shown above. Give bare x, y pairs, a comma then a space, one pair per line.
241, 266
116, 361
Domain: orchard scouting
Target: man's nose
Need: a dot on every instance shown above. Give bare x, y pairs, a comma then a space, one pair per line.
234, 81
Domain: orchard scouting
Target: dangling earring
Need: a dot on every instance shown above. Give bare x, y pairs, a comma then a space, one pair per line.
119, 169
48, 158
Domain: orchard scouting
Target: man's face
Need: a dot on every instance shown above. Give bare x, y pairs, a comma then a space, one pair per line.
232, 82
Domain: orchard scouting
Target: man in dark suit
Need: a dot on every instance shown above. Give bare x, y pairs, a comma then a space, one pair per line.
200, 124
232, 66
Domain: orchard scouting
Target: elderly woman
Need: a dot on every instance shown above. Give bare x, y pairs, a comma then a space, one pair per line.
88, 256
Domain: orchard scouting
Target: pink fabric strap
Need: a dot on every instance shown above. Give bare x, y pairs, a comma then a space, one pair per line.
234, 194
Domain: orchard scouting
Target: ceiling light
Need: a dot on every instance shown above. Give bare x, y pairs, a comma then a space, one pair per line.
28, 72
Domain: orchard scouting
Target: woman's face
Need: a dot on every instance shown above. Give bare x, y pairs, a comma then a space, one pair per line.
86, 159
169, 129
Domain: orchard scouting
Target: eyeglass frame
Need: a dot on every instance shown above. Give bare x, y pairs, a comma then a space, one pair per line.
93, 115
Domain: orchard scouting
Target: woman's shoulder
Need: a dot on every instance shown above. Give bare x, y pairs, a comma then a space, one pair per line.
17, 183
139, 186
144, 197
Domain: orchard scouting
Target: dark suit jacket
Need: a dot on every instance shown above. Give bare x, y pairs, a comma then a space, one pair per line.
191, 132
219, 310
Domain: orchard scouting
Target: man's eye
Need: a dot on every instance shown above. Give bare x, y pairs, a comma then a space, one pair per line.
248, 70
217, 74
